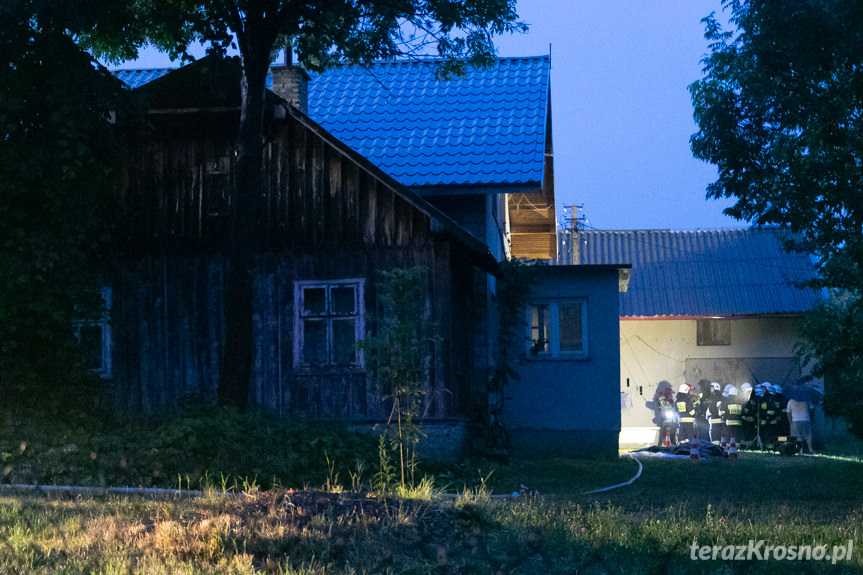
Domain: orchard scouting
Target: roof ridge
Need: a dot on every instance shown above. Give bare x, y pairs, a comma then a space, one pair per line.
681, 231
429, 58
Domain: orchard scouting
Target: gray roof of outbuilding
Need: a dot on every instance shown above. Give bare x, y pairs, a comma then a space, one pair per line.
704, 273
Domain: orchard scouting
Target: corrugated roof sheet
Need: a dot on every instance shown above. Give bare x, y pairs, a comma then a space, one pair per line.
485, 128
704, 273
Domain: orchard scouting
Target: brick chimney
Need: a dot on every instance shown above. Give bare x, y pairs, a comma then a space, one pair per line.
292, 83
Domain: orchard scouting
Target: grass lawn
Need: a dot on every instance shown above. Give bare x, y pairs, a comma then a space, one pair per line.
650, 526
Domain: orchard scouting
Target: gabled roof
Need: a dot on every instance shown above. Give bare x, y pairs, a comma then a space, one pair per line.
487, 128
213, 84
704, 273
209, 83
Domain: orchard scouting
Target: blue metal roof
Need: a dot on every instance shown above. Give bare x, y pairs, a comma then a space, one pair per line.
485, 128
704, 273
137, 78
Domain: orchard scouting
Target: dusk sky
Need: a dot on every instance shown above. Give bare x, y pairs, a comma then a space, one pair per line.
621, 110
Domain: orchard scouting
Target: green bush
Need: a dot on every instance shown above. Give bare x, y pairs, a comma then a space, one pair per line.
189, 446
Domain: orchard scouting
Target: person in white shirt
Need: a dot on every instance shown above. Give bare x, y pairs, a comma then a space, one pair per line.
801, 423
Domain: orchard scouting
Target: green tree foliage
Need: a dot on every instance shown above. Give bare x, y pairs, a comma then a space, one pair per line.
779, 112
57, 152
833, 338
321, 33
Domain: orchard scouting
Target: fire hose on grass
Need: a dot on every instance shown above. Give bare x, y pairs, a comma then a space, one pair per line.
151, 491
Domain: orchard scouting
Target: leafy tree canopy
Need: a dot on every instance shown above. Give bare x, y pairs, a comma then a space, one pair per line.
57, 155
321, 32
780, 113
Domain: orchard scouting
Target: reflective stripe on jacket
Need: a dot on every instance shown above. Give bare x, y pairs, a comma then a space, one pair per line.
733, 413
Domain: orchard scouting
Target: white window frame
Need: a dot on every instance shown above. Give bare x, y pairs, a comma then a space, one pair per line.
300, 317
554, 351
104, 323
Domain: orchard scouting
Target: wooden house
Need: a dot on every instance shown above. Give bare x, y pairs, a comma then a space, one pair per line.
332, 221
366, 169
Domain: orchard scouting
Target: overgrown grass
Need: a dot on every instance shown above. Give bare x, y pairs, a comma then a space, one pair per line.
190, 449
646, 527
282, 498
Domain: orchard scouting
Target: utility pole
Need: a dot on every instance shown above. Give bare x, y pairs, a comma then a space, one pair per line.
572, 227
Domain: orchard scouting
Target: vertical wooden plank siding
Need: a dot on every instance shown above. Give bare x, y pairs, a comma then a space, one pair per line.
324, 217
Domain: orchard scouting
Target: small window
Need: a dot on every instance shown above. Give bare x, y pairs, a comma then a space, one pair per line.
540, 329
329, 323
558, 329
95, 339
712, 331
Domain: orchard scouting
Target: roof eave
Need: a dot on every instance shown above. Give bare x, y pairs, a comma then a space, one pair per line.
670, 317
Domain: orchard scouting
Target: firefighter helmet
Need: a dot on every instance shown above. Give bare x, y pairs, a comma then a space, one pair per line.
715, 385
684, 388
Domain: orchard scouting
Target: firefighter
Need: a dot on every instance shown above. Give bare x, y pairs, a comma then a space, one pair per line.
668, 417
699, 402
714, 404
769, 416
749, 413
759, 402
685, 411
732, 414
783, 425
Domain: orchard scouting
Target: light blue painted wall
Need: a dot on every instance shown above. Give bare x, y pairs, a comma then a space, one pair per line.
572, 404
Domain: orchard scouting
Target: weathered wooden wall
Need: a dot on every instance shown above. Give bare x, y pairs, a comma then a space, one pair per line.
325, 216
177, 192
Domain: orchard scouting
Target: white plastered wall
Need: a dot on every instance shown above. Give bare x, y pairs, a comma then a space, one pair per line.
653, 351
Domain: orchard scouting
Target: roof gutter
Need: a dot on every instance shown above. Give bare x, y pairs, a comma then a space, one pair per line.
771, 315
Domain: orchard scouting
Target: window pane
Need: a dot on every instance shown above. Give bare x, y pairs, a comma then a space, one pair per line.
344, 340
343, 300
713, 332
540, 325
571, 336
314, 342
91, 343
314, 301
